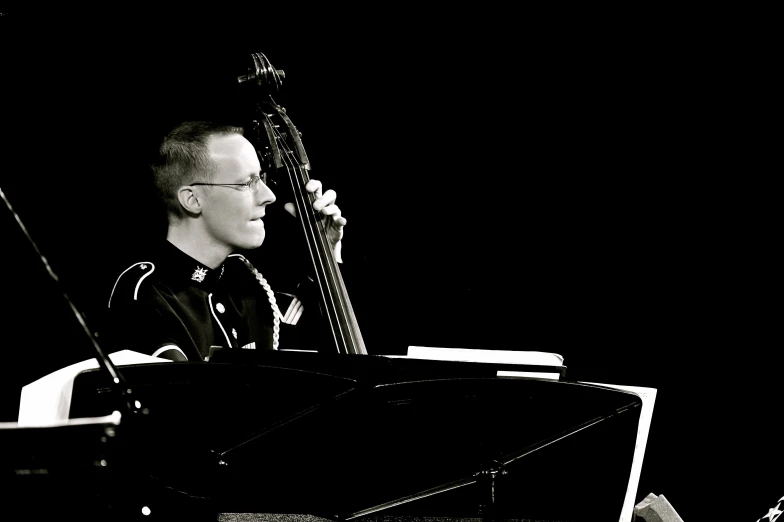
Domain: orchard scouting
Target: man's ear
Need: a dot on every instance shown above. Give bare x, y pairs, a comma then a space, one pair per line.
189, 200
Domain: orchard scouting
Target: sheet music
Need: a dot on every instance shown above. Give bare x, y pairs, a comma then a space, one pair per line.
648, 396
527, 358
529, 375
487, 356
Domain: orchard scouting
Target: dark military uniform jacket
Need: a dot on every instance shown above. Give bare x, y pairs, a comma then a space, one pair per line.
170, 299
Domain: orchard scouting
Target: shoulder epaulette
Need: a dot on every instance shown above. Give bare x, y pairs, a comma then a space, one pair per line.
131, 279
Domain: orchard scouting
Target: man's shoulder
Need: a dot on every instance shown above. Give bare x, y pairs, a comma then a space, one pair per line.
132, 281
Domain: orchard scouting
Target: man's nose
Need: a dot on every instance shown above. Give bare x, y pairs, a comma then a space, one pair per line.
265, 195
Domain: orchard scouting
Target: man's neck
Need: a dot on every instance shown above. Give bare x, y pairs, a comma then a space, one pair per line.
204, 251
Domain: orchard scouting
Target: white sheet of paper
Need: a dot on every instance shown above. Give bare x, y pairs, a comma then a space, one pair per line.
486, 356
534, 375
47, 401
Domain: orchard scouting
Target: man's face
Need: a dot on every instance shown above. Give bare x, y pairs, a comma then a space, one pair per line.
232, 215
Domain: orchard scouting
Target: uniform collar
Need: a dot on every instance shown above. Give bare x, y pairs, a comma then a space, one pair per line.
185, 268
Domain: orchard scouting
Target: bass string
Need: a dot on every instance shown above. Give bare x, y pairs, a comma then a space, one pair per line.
321, 254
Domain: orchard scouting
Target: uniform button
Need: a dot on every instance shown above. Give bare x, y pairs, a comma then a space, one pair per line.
220, 307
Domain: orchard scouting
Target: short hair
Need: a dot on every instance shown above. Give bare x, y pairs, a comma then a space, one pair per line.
182, 158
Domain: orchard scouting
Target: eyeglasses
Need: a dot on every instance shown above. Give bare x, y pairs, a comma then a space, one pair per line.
252, 185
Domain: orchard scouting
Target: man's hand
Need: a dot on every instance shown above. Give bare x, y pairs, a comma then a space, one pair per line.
334, 222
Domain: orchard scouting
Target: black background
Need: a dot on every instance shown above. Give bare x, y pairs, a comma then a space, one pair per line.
512, 181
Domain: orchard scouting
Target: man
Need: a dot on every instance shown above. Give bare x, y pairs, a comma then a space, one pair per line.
198, 292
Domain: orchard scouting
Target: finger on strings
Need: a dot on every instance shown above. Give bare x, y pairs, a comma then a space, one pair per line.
334, 211
331, 210
314, 186
327, 199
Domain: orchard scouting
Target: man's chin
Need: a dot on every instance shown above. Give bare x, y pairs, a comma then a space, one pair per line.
252, 243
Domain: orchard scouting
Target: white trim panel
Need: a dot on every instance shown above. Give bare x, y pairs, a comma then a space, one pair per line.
138, 284
167, 348
212, 309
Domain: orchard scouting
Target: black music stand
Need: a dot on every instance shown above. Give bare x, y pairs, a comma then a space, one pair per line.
357, 444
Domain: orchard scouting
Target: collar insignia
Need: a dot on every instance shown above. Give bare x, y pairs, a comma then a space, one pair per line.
198, 274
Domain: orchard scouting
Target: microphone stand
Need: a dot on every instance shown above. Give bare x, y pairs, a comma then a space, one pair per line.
118, 382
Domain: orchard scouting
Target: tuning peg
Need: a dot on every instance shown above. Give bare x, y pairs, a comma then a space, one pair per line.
262, 74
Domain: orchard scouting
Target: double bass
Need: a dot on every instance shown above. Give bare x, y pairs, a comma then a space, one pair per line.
281, 152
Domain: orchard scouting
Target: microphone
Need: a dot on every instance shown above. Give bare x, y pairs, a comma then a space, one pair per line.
104, 361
